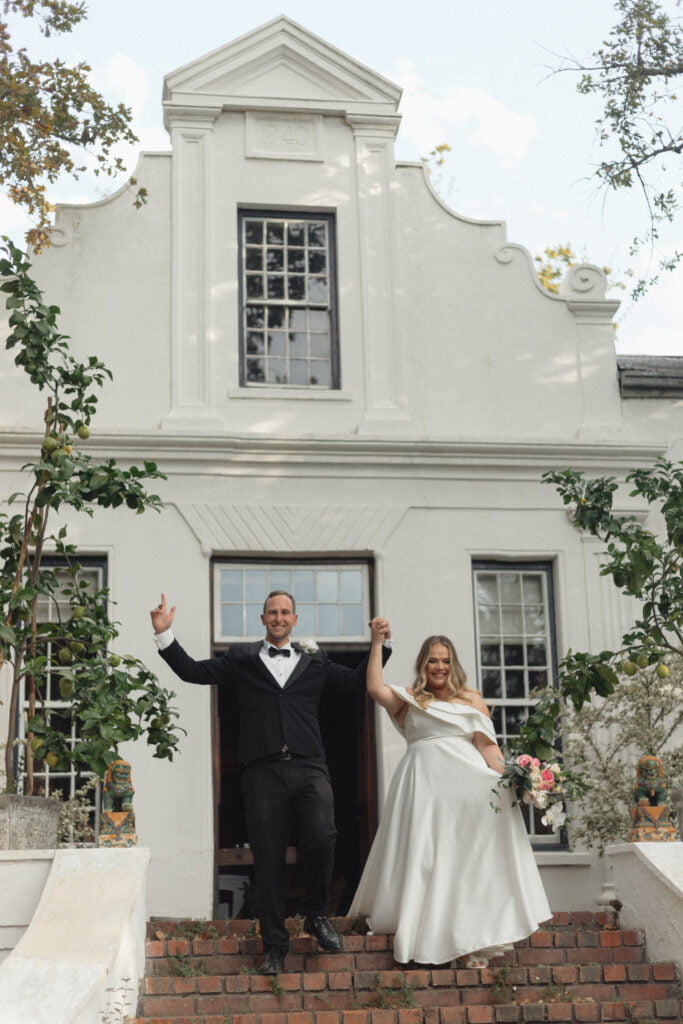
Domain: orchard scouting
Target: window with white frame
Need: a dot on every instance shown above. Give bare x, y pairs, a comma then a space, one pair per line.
69, 784
515, 646
288, 300
332, 599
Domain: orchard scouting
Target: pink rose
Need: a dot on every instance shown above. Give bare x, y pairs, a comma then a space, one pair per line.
523, 760
535, 763
548, 779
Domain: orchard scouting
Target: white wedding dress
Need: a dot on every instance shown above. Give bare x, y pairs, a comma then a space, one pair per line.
446, 874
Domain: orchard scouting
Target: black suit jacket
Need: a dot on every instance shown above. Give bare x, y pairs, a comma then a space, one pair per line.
271, 716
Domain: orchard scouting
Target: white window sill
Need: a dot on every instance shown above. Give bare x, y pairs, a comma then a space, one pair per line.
562, 859
297, 394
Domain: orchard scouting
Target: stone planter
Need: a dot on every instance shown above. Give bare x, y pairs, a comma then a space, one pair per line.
28, 822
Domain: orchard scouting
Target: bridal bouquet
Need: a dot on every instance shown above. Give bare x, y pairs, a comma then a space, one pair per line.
541, 784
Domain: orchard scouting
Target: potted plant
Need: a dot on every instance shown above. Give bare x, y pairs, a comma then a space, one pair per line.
109, 698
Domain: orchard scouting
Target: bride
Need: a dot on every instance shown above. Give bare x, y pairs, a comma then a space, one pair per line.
447, 875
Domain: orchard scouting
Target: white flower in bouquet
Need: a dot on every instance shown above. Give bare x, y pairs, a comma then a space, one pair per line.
538, 797
555, 817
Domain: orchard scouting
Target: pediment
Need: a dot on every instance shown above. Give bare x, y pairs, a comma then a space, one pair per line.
281, 65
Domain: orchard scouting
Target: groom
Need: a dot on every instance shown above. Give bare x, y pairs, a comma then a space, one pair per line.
284, 775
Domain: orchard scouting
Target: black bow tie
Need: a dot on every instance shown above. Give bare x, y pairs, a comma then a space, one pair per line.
284, 651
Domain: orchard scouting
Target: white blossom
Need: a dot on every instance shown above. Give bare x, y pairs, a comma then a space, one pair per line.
554, 816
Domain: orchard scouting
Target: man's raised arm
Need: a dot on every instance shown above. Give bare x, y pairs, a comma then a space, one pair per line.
208, 672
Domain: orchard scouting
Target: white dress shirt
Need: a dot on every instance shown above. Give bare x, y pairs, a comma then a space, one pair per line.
279, 666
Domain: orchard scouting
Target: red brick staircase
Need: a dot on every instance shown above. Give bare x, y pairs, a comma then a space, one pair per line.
578, 967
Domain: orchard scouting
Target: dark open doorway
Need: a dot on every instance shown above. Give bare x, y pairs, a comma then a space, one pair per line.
347, 726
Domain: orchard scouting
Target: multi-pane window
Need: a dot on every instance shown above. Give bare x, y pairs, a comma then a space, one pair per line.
52, 609
288, 300
332, 599
515, 644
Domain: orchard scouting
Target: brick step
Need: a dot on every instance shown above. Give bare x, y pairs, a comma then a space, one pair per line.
577, 967
345, 925
643, 985
668, 1010
233, 954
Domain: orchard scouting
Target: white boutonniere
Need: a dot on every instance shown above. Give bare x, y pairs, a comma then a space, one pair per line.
308, 646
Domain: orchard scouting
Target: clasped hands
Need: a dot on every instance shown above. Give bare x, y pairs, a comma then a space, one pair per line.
380, 629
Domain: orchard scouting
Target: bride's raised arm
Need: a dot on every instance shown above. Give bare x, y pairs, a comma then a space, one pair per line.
376, 687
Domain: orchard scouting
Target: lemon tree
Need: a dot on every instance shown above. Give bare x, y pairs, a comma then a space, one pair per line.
643, 565
111, 697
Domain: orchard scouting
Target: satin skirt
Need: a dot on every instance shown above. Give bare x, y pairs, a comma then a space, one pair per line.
447, 875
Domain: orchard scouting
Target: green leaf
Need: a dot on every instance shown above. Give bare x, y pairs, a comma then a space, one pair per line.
7, 634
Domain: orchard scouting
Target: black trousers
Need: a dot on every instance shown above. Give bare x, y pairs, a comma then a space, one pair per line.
275, 794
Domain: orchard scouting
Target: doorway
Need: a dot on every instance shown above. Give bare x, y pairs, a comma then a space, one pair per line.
347, 727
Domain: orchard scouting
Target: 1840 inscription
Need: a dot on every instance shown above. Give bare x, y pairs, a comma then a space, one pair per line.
284, 137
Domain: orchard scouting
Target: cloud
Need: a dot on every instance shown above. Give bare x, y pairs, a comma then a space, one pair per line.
653, 323
554, 213
129, 81
15, 222
126, 79
472, 115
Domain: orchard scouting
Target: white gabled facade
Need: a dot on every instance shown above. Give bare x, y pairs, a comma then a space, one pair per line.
461, 380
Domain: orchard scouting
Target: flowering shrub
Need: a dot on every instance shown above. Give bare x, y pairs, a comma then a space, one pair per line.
545, 785
643, 715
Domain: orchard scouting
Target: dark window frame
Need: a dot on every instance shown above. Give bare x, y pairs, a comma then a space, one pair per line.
337, 644
540, 841
75, 778
332, 305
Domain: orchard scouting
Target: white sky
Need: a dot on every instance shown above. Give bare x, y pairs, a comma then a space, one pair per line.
475, 76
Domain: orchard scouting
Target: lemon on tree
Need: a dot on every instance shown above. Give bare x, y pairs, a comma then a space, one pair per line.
66, 688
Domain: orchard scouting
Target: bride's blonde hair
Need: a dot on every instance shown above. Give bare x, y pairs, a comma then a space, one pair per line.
455, 683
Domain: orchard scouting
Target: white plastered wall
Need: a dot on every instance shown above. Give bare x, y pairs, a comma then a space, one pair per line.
462, 381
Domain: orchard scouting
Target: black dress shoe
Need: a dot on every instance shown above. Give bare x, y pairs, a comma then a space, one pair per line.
274, 962
323, 931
